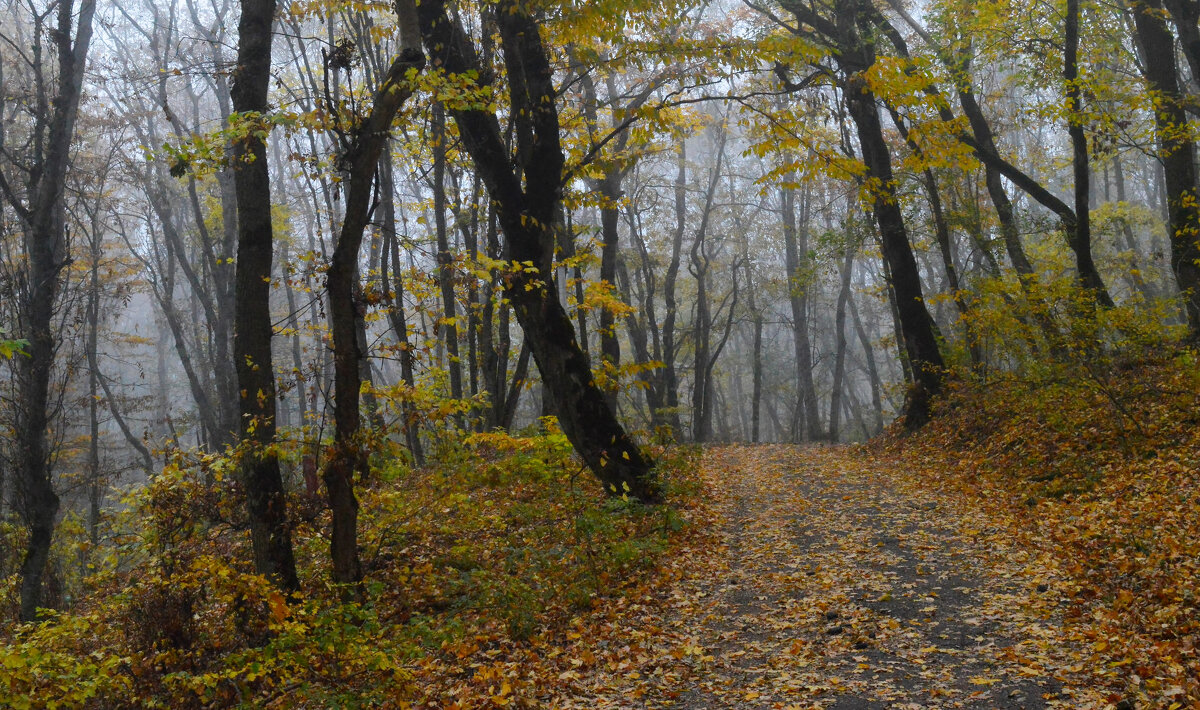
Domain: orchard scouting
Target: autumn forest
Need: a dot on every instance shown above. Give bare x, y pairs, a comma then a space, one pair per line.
616, 354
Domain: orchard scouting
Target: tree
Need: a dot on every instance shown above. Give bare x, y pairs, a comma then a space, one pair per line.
848, 33
528, 201
270, 531
361, 146
39, 204
1176, 151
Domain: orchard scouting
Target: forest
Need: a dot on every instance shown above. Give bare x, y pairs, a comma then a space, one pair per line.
627, 353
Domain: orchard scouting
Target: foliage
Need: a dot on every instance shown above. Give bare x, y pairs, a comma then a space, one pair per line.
502, 544
9, 348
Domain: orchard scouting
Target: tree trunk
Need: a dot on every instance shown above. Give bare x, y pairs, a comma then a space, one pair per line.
795, 242
610, 346
1081, 239
756, 360
445, 258
346, 313
527, 210
872, 368
1177, 153
1186, 15
670, 348
1139, 278
42, 219
394, 288
920, 336
839, 336
270, 530
702, 405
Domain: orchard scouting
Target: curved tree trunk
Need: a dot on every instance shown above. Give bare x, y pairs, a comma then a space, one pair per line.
528, 216
346, 313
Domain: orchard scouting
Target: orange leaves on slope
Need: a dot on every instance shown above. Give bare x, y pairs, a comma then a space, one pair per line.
1104, 484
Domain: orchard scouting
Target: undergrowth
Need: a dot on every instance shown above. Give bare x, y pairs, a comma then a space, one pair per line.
501, 546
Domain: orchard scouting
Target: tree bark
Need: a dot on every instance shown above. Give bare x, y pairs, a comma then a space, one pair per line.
1081, 239
920, 336
270, 530
795, 241
872, 369
445, 258
702, 404
670, 349
394, 288
839, 336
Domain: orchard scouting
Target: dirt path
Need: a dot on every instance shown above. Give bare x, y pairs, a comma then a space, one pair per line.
833, 588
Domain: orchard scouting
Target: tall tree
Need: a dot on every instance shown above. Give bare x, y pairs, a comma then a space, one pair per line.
795, 243
362, 145
528, 204
38, 200
1080, 238
1176, 151
850, 35
270, 530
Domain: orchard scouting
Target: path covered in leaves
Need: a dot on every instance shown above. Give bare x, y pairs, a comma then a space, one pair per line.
832, 584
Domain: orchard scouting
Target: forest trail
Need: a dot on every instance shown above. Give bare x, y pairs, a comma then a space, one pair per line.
834, 587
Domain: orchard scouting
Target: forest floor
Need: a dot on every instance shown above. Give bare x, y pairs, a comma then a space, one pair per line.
831, 583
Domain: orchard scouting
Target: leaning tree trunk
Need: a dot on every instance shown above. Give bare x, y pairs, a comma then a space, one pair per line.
528, 217
920, 336
270, 531
1081, 239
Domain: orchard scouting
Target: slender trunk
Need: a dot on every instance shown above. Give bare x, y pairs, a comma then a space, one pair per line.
43, 223
346, 312
296, 350
394, 288
610, 346
872, 368
270, 529
897, 330
920, 334
445, 258
528, 205
670, 378
92, 314
647, 341
516, 387
702, 405
640, 341
795, 240
942, 233
1081, 239
839, 336
757, 366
